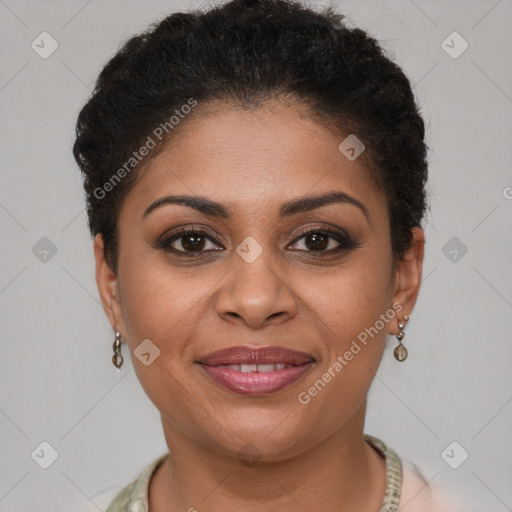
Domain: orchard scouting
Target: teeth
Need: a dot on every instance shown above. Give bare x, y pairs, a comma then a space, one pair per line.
246, 368
261, 368
267, 367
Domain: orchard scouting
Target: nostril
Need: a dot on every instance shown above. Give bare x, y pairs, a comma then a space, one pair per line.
276, 314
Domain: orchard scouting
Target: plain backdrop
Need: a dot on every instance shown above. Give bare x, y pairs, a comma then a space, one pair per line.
57, 382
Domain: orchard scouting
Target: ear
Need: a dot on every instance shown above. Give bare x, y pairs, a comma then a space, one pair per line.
108, 286
407, 276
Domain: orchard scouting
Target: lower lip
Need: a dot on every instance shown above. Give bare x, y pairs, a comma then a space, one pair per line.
255, 383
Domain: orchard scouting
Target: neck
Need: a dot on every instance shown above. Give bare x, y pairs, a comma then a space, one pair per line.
343, 472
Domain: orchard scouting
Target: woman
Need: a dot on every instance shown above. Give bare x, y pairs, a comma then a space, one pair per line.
255, 179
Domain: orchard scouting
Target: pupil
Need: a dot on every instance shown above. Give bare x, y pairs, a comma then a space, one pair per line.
319, 241
193, 242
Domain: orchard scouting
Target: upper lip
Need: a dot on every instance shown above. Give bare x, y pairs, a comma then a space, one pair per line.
251, 355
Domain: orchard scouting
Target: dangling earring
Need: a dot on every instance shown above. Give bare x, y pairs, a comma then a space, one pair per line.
400, 351
117, 358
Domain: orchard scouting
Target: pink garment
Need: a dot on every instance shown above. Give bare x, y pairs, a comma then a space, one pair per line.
419, 496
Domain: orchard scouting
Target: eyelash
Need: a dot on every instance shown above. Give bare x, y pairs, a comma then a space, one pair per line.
345, 241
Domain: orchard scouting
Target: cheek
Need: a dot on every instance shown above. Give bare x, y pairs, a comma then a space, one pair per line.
352, 298
353, 310
163, 306
347, 308
160, 303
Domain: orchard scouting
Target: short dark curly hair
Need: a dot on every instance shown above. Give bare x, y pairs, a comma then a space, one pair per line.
246, 52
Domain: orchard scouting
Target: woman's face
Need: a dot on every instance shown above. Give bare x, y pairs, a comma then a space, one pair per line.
252, 277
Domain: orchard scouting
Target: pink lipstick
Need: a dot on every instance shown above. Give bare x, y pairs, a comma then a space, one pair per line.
256, 371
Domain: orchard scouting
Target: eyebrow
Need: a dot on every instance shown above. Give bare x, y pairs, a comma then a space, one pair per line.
287, 209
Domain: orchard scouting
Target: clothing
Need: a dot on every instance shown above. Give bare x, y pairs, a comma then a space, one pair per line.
403, 485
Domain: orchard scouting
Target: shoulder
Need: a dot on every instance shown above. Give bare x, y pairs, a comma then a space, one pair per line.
424, 497
407, 486
113, 499
131, 498
415, 489
121, 500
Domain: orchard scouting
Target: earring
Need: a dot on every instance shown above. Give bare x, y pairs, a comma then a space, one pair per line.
117, 358
400, 351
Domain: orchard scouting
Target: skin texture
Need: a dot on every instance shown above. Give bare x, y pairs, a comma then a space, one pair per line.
311, 456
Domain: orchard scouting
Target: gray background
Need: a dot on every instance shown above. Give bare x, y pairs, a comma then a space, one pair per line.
57, 382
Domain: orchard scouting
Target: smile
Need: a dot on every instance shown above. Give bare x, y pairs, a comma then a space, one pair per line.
256, 379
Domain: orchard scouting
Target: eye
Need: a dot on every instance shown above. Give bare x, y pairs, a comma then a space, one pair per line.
194, 242
189, 241
324, 241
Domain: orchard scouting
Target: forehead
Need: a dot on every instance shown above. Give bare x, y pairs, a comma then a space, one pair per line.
255, 158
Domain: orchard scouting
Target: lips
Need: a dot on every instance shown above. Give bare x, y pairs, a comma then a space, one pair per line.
243, 355
256, 371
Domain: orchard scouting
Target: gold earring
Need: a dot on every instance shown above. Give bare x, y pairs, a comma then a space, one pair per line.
117, 358
400, 351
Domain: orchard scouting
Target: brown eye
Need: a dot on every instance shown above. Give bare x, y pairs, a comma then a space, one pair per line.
193, 242
187, 242
317, 241
323, 241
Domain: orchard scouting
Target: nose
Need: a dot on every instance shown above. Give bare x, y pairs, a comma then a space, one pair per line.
255, 294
